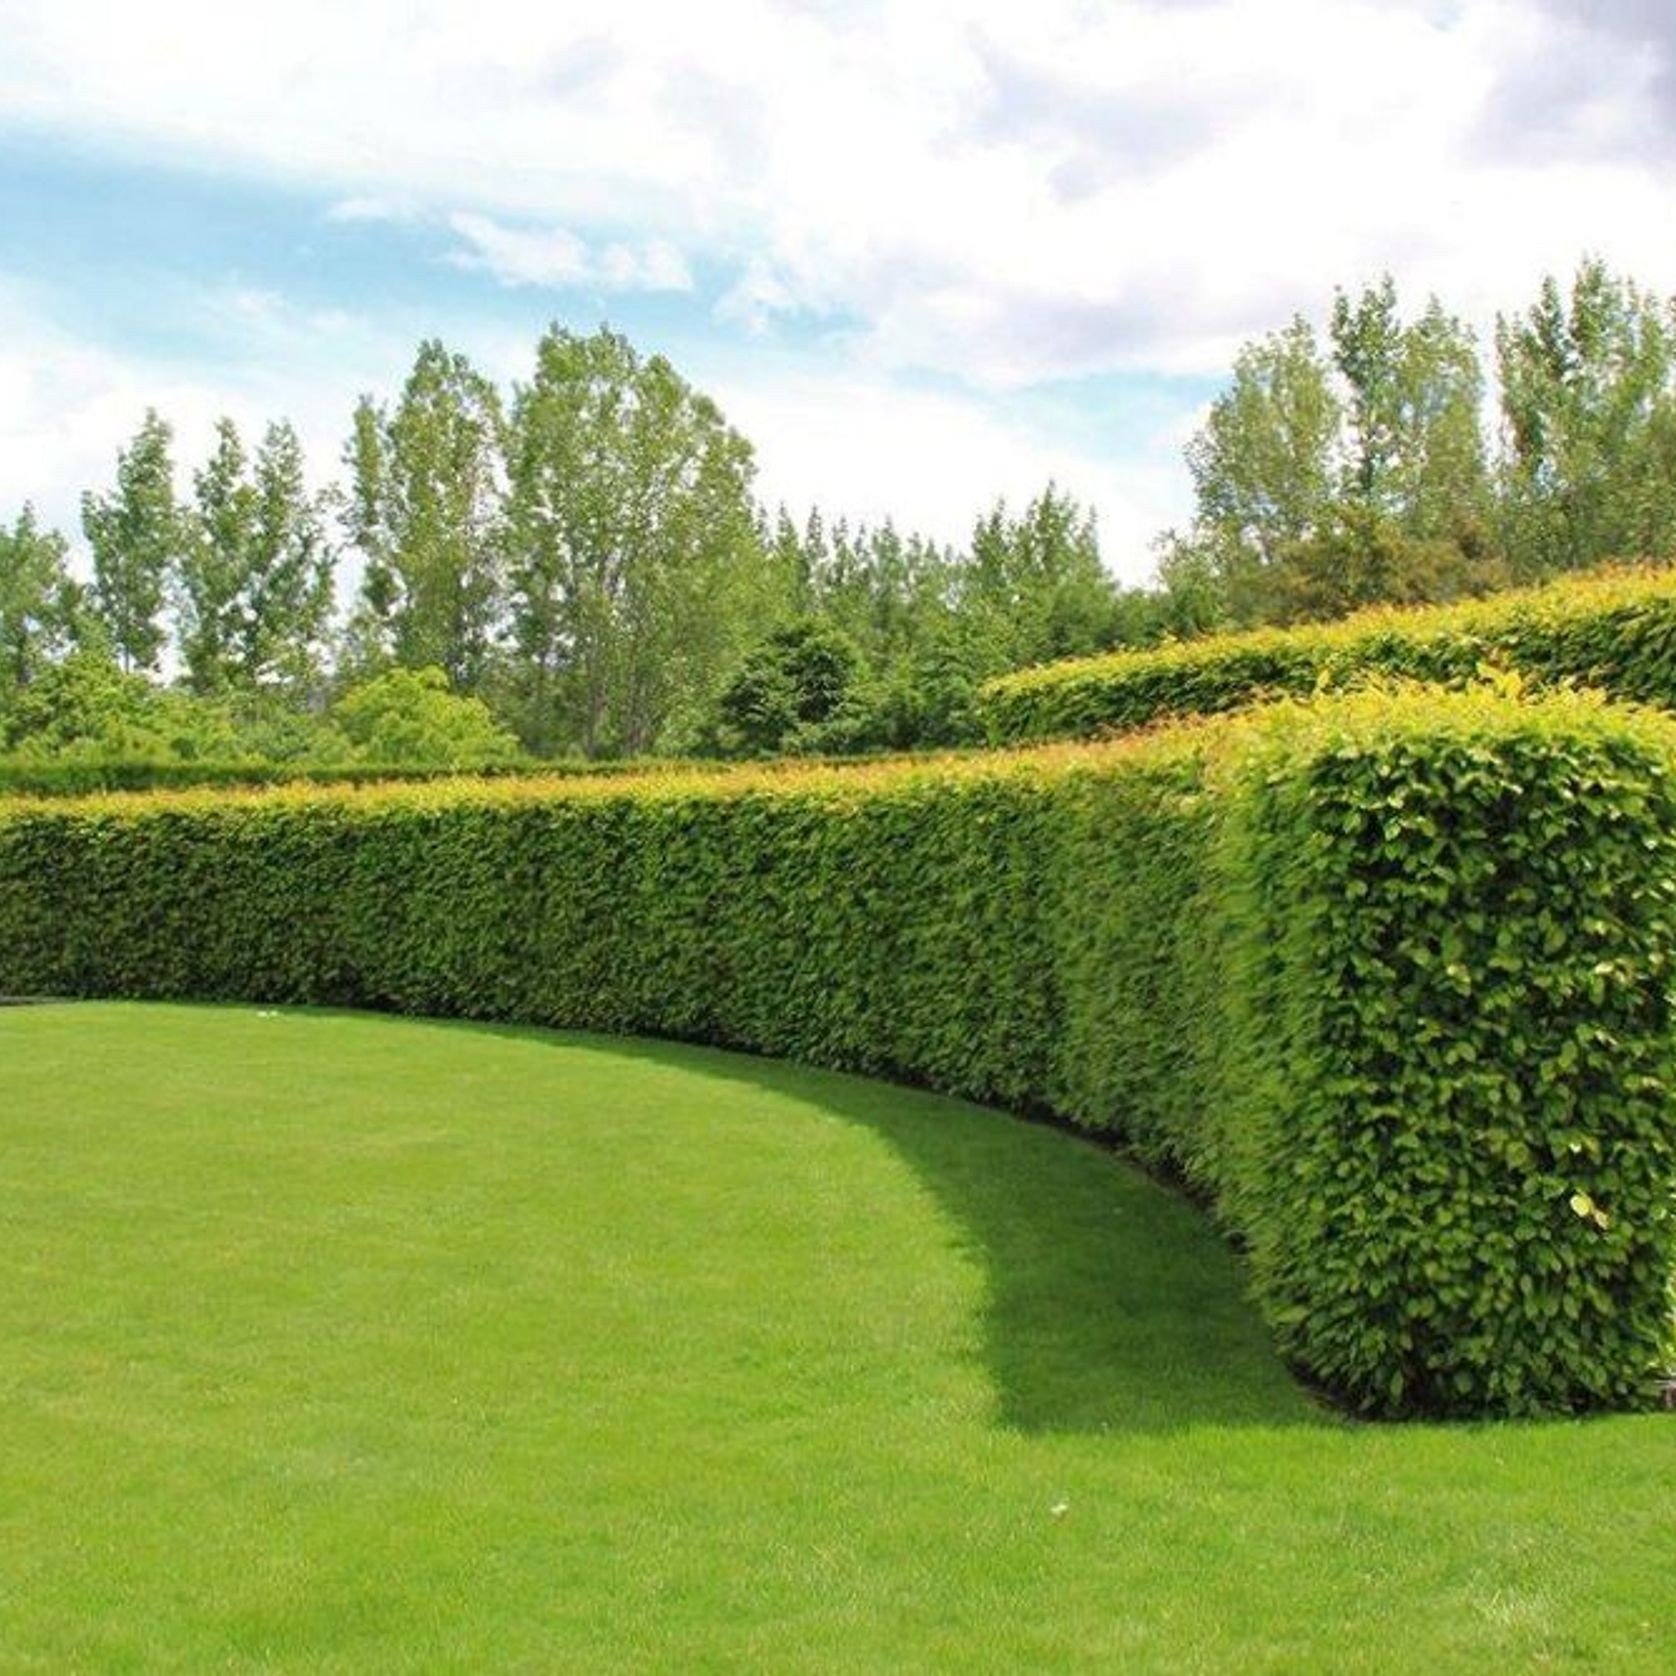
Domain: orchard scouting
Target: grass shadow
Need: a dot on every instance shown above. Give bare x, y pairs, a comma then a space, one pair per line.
1112, 1303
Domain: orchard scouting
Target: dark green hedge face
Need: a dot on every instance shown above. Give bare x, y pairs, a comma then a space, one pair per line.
1386, 976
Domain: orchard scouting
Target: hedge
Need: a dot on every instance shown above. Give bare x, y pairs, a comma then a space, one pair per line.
75, 777
1614, 630
88, 777
1388, 978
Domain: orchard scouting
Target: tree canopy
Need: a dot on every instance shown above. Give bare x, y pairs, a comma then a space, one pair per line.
582, 556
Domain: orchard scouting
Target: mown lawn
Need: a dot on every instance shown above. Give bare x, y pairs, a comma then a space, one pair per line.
337, 1343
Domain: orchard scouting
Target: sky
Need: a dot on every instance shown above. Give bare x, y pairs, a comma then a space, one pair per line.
922, 254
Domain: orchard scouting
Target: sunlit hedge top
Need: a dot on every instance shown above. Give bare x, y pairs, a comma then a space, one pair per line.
90, 776
1615, 630
645, 780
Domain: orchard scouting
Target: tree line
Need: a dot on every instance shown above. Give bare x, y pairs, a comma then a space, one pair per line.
579, 566
1370, 467
583, 559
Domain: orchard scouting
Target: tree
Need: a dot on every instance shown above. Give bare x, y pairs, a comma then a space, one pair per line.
1415, 445
409, 717
255, 585
638, 573
1588, 395
288, 595
926, 624
790, 692
137, 535
791, 558
889, 598
425, 511
936, 702
215, 562
36, 601
1190, 591
1326, 483
1034, 585
887, 591
1264, 466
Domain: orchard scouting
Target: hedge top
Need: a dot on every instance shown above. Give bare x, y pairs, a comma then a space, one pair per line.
90, 776
658, 781
1615, 629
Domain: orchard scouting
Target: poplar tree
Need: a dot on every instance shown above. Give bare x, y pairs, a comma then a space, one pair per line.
1588, 397
255, 584
1265, 467
214, 564
425, 512
137, 534
1415, 392
638, 572
287, 600
36, 597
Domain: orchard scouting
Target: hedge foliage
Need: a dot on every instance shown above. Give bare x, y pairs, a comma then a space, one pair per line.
1613, 630
1388, 977
88, 777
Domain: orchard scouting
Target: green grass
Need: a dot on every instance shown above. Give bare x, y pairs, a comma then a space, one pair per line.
339, 1343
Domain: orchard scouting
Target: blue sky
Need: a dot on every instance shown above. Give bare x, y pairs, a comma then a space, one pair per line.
921, 254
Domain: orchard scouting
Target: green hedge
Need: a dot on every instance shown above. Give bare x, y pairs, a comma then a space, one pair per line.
1616, 631
1449, 1110
1389, 978
73, 777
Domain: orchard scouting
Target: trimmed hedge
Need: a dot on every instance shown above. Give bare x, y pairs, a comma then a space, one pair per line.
76, 777
1388, 978
1615, 631
1447, 1117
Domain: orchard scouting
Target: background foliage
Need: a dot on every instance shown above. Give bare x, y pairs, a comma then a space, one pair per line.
584, 552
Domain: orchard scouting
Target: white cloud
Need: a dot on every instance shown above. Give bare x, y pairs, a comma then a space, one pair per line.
995, 194
654, 265
555, 257
521, 256
756, 298
1007, 192
373, 209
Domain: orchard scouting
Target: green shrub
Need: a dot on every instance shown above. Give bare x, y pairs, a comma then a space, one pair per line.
1616, 631
413, 716
1387, 977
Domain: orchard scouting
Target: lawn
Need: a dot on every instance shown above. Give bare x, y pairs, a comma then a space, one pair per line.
345, 1343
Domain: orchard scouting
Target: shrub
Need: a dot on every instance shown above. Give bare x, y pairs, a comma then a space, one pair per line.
791, 692
1387, 977
1615, 630
411, 716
